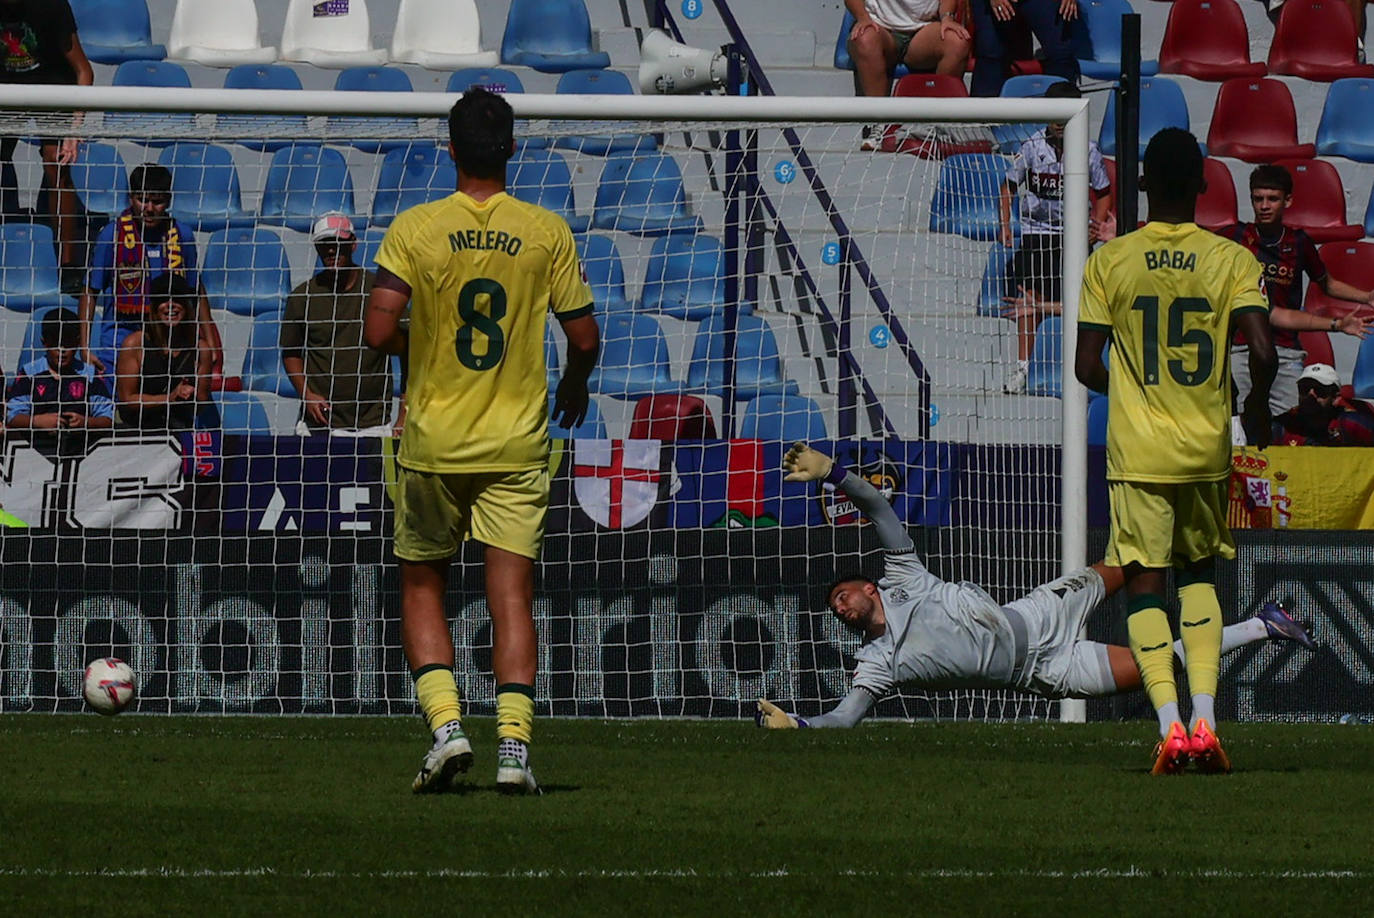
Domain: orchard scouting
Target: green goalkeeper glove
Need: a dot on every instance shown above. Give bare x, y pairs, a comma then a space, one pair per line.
803, 463
767, 714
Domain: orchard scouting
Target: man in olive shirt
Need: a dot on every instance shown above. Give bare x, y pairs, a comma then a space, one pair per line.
345, 386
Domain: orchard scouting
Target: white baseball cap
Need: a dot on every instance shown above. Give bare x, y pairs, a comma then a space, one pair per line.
1323, 374
331, 226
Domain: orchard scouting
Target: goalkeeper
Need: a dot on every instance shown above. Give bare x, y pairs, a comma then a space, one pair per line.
920, 630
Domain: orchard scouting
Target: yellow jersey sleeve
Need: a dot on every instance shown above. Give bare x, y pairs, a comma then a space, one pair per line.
1246, 283
1094, 307
569, 291
394, 254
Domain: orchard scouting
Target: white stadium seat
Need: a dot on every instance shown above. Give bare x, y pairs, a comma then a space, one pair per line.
329, 33
440, 35
217, 33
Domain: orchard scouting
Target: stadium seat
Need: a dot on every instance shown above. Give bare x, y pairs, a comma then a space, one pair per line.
205, 186
591, 428
1315, 40
1099, 40
842, 59
605, 272
996, 280
340, 36
949, 141
1318, 201
241, 414
303, 182
1207, 40
685, 277
440, 35
115, 31
601, 82
1216, 207
542, 177
967, 194
671, 418
1346, 128
1097, 419
262, 369
369, 241
1317, 345
494, 79
150, 127
758, 367
32, 346
930, 86
28, 268
551, 36
1363, 377
551, 362
643, 195
218, 33
1254, 120
245, 271
422, 172
1044, 374
789, 418
1351, 262
1161, 105
355, 131
101, 179
634, 358
1028, 85
261, 132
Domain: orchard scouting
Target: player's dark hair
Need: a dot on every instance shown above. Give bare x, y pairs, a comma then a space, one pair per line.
1271, 176
848, 577
1063, 89
174, 288
150, 178
61, 328
1173, 167
481, 127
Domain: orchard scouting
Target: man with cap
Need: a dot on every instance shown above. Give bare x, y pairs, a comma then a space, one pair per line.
58, 392
345, 386
1322, 417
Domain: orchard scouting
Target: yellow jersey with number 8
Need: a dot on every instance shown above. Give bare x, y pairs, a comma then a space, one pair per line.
483, 276
1167, 293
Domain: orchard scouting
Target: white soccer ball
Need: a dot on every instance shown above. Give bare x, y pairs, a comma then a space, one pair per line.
108, 685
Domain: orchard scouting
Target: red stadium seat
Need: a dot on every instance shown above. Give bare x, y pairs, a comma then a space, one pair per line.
1351, 262
935, 85
1315, 39
1207, 40
1318, 347
1254, 120
1216, 207
1318, 201
930, 85
672, 417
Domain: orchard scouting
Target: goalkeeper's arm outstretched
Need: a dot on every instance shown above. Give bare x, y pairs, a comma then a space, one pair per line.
922, 631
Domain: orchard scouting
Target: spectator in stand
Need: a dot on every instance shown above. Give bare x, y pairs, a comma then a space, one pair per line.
1052, 21
1037, 172
1287, 254
39, 45
57, 393
923, 34
136, 248
345, 386
1322, 417
162, 378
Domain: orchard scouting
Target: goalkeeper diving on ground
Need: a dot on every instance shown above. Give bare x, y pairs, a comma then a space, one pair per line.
919, 630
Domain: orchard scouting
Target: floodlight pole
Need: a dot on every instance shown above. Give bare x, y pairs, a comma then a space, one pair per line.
1128, 126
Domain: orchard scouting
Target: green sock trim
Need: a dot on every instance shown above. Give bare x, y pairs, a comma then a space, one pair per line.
415, 674
1142, 602
518, 688
1184, 577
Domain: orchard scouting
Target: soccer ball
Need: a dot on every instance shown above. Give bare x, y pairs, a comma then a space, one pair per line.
108, 685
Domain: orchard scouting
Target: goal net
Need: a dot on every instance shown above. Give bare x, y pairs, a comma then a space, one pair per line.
758, 279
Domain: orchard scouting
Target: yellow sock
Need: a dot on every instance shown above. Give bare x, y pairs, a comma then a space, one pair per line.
1200, 628
515, 712
1152, 645
438, 694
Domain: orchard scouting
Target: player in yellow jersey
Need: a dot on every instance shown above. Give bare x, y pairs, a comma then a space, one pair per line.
1168, 296
480, 270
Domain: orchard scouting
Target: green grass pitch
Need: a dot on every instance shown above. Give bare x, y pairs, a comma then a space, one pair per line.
269, 815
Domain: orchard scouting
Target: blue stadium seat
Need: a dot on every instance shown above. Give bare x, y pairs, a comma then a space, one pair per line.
643, 195
1097, 419
262, 369
967, 194
996, 280
28, 268
494, 79
591, 428
241, 414
1098, 40
1161, 105
205, 186
262, 132
685, 277
605, 272
1363, 378
32, 345
419, 173
758, 367
1044, 375
354, 131
369, 241
1346, 128
246, 271
144, 127
601, 82
783, 417
634, 358
303, 182
551, 361
1028, 85
552, 36
101, 179
114, 31
842, 59
542, 177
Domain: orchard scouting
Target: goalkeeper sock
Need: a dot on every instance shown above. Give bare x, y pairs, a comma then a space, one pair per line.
515, 712
1250, 631
438, 696
1200, 629
1152, 646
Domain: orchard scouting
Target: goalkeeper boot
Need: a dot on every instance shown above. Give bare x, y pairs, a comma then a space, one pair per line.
446, 759
1281, 626
1171, 754
513, 775
1205, 750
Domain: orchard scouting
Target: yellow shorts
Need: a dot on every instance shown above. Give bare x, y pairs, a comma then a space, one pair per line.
1160, 525
437, 510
